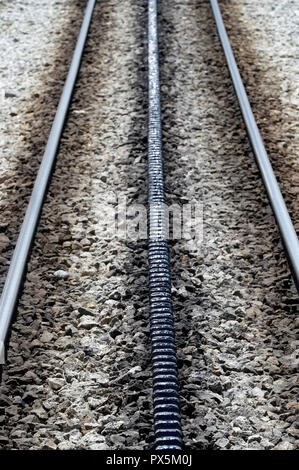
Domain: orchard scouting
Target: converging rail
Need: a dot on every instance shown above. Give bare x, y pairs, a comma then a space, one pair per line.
19, 260
281, 214
166, 401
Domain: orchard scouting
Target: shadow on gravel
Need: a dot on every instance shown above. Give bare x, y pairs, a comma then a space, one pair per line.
185, 299
137, 264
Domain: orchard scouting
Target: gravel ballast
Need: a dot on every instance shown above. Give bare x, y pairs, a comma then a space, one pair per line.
78, 371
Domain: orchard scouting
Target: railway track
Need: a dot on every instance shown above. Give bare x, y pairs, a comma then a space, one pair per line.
164, 363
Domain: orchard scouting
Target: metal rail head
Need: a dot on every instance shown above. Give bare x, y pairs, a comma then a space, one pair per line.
19, 260
288, 233
166, 401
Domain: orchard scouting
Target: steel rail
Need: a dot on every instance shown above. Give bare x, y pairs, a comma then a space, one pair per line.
281, 214
19, 260
164, 366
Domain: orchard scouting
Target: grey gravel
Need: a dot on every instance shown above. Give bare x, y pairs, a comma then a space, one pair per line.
60, 274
